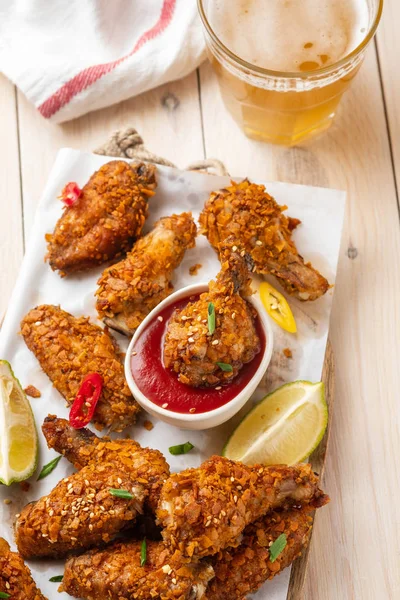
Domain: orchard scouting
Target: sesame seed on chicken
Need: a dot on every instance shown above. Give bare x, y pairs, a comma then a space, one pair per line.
206, 509
15, 577
82, 447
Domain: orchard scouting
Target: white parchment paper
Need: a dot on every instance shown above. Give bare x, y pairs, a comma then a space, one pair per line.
318, 240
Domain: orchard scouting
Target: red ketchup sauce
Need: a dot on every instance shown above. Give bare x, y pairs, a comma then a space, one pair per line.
161, 385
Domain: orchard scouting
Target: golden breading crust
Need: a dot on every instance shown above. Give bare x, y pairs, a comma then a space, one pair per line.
68, 348
129, 290
206, 509
106, 218
252, 216
191, 350
79, 513
242, 570
15, 577
115, 573
81, 447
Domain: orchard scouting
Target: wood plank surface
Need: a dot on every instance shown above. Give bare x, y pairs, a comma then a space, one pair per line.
361, 471
11, 238
388, 45
356, 540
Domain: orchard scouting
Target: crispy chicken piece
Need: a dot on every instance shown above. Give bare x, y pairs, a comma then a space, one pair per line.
115, 573
68, 348
105, 220
129, 290
15, 577
81, 447
246, 211
204, 510
189, 348
80, 512
242, 570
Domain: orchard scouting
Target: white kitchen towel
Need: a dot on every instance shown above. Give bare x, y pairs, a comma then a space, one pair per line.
70, 57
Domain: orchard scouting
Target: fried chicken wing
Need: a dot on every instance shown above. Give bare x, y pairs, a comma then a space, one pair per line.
80, 512
246, 211
129, 290
68, 348
242, 570
81, 447
105, 220
15, 577
191, 350
116, 573
206, 509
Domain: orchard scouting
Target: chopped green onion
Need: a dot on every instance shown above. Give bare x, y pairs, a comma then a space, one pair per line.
181, 448
211, 318
56, 578
225, 367
47, 469
4, 595
277, 547
121, 494
143, 553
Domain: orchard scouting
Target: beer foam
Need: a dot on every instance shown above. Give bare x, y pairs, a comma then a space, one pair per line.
290, 35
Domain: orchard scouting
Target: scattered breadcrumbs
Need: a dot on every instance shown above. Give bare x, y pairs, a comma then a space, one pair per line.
288, 353
30, 390
25, 486
7, 501
148, 425
193, 270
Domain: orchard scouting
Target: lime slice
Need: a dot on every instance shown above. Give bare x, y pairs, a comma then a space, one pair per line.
284, 428
18, 435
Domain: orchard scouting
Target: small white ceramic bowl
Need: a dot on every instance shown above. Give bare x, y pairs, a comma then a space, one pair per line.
219, 415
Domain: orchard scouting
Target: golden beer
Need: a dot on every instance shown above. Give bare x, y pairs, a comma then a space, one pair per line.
283, 65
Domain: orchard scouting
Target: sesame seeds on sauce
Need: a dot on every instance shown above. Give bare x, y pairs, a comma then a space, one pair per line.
161, 386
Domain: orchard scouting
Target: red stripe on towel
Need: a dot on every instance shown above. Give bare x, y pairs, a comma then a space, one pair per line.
88, 76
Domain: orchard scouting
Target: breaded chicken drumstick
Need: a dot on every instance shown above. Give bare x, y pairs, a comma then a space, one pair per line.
15, 577
81, 447
192, 350
106, 218
80, 512
205, 510
130, 289
68, 348
242, 570
116, 573
257, 222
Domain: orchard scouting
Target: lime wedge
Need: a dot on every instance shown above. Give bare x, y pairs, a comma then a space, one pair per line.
284, 428
18, 435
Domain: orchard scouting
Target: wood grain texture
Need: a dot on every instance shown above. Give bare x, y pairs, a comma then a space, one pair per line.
168, 118
388, 45
361, 474
355, 550
317, 459
11, 238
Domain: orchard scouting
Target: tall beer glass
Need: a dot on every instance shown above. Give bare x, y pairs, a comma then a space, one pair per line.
283, 65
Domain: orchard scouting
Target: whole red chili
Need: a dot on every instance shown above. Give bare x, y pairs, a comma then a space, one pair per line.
70, 193
84, 405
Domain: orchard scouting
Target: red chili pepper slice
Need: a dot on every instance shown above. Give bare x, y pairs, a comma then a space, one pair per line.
84, 405
70, 193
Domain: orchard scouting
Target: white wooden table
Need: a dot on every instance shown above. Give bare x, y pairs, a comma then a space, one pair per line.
356, 544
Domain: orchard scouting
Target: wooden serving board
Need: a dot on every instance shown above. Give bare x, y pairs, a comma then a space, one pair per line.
317, 459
